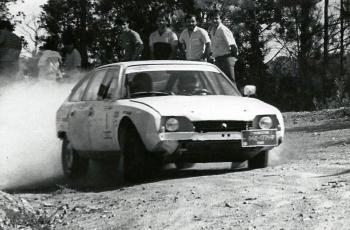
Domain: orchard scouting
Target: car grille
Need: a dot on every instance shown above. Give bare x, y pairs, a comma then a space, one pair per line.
221, 126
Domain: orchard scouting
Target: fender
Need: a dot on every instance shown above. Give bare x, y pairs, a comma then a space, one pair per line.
145, 119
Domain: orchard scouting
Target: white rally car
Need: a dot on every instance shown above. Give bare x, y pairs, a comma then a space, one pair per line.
150, 113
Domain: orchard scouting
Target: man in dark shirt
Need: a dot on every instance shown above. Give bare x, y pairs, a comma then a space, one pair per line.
131, 42
163, 42
10, 48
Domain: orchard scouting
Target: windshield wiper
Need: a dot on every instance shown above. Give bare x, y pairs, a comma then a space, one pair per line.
150, 93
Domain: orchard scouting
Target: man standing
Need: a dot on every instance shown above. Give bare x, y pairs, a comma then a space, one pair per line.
163, 42
224, 46
72, 59
194, 40
49, 62
10, 48
131, 42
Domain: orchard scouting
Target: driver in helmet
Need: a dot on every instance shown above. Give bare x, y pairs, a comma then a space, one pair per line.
188, 85
142, 82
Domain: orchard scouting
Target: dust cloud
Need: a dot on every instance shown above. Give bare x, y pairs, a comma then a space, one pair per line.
283, 153
29, 148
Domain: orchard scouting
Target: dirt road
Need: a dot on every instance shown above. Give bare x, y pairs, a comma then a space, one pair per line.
307, 186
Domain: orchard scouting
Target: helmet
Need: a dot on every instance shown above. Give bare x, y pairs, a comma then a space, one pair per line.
188, 83
142, 82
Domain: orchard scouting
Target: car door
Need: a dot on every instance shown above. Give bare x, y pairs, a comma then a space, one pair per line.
102, 112
78, 132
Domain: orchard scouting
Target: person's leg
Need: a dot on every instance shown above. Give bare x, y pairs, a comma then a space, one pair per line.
220, 63
230, 65
226, 64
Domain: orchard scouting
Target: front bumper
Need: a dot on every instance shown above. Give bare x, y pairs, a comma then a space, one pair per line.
212, 136
172, 142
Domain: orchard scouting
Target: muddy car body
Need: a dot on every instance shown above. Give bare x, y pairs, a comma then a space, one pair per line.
149, 113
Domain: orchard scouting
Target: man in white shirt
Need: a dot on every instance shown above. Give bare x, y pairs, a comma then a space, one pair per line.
163, 42
224, 46
49, 65
194, 40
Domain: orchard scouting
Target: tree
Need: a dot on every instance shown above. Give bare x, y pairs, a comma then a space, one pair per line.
300, 33
68, 19
5, 14
93, 25
31, 28
325, 38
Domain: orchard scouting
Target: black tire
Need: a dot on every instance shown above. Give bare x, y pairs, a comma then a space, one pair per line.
73, 165
134, 158
183, 165
239, 165
259, 161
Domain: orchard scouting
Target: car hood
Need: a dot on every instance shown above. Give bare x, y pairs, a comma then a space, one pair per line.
213, 107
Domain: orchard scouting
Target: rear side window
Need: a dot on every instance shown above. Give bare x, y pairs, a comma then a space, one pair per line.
78, 91
109, 85
91, 93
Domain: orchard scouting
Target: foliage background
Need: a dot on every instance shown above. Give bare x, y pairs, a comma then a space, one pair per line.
303, 75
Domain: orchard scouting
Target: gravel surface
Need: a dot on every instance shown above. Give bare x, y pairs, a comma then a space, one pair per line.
307, 186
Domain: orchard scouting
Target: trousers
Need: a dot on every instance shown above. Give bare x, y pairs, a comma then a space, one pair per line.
227, 65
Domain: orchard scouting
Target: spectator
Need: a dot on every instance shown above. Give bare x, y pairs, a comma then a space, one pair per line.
163, 41
49, 63
131, 42
10, 49
194, 40
72, 59
224, 46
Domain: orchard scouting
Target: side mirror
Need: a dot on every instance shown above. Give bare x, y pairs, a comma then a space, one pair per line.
249, 90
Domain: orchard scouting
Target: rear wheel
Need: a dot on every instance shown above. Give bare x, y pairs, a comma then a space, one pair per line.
73, 165
259, 161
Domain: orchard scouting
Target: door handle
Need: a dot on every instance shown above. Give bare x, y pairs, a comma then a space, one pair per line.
91, 111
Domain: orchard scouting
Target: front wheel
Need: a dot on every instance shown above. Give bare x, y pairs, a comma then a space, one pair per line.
134, 158
73, 165
259, 161
183, 165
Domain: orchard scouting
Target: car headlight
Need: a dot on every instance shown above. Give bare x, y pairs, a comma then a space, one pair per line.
172, 125
178, 124
265, 123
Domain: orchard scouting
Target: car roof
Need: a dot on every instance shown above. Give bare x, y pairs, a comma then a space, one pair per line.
156, 62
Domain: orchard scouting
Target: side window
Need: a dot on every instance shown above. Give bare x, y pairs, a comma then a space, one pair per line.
109, 84
221, 85
91, 93
79, 90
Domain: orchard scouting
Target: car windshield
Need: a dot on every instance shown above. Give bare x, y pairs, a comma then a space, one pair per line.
178, 80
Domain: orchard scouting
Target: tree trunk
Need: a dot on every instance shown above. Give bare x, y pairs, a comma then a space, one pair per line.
325, 49
304, 53
83, 33
341, 38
